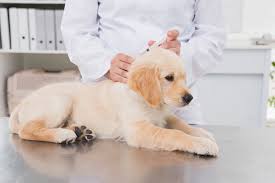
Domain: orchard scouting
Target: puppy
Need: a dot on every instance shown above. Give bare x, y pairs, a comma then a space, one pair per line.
137, 112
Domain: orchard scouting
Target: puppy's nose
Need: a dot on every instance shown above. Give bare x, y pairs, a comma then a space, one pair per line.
187, 98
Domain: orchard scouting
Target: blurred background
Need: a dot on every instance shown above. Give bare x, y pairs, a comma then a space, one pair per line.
32, 54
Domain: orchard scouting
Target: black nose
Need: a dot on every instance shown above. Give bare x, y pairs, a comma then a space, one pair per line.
187, 98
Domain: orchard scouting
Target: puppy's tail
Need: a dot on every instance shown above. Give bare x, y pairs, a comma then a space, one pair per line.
13, 121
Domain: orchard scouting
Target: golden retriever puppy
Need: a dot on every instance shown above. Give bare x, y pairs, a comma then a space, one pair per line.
137, 112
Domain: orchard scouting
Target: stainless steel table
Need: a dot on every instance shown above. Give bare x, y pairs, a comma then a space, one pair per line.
246, 156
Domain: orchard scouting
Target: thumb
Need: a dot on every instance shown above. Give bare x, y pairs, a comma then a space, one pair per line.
151, 42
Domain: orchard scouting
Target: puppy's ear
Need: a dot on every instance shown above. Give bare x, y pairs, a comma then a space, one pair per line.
145, 81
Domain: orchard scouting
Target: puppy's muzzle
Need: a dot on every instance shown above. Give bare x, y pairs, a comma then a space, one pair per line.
187, 98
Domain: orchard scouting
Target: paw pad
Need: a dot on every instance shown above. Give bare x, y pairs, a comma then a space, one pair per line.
84, 134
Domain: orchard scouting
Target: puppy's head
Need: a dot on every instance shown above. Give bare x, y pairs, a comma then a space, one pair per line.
159, 77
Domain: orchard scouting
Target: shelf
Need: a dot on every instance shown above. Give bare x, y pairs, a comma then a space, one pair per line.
32, 2
48, 52
246, 41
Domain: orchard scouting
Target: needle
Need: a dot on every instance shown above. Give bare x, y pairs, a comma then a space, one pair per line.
160, 41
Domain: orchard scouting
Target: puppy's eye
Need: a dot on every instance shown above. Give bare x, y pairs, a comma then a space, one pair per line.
170, 77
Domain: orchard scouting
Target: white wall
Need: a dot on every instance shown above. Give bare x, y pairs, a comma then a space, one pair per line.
251, 16
259, 16
232, 13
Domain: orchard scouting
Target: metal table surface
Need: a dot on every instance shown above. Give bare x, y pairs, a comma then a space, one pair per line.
246, 156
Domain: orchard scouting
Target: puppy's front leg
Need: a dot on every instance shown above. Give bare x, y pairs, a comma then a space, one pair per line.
174, 122
147, 135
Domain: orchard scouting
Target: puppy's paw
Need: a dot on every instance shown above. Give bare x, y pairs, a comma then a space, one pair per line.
204, 146
84, 134
65, 136
87, 134
199, 132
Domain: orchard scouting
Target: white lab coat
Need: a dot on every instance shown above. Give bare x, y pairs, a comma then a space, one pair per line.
95, 31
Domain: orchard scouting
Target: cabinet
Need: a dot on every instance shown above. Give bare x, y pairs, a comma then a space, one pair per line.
236, 91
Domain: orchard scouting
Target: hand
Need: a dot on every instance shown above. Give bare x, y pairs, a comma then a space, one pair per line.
172, 43
119, 68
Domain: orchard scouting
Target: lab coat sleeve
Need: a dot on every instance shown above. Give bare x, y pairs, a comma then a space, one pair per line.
80, 32
204, 49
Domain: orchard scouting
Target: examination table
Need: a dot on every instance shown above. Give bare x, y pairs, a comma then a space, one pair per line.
246, 156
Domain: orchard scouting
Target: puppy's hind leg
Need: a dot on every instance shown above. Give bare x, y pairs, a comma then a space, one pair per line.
41, 119
38, 131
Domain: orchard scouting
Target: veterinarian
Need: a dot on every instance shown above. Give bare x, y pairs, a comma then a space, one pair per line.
102, 37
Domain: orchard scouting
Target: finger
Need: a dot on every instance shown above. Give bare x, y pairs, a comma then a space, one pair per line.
151, 42
118, 78
125, 58
120, 72
172, 35
124, 65
128, 59
173, 44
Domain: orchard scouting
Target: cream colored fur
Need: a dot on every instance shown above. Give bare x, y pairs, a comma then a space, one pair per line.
137, 112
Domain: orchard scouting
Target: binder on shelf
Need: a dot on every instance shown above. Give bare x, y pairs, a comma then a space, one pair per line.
59, 39
50, 29
32, 29
5, 34
0, 39
14, 28
23, 29
37, 29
